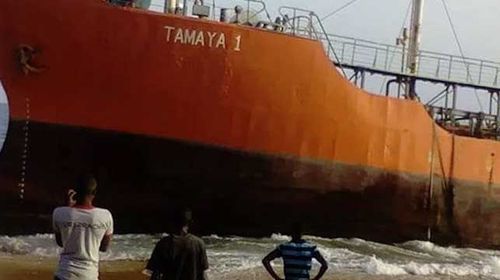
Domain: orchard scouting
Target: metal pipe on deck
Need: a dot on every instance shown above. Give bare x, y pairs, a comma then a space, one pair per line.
498, 115
184, 8
453, 103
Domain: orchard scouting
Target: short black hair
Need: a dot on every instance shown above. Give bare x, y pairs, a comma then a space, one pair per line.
296, 230
85, 185
182, 217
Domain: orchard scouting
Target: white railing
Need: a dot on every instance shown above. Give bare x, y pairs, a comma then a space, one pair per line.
390, 58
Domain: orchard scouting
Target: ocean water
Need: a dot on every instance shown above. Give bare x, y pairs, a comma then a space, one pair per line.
4, 120
356, 256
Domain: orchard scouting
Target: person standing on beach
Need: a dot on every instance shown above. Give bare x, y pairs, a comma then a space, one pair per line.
297, 257
82, 230
180, 255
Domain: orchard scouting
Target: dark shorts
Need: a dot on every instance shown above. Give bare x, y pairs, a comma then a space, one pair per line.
56, 278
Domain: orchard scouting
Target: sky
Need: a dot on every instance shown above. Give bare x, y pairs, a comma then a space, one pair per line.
477, 22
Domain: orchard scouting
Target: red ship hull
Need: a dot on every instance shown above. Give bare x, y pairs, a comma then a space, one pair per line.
232, 192
253, 129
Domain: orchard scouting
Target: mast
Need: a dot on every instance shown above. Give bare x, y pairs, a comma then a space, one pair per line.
414, 43
414, 46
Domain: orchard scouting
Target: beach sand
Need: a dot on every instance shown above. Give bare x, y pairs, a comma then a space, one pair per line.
33, 268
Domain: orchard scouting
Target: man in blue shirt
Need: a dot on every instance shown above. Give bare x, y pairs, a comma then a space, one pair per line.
297, 257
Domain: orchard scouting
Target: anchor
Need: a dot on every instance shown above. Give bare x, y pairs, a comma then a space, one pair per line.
26, 54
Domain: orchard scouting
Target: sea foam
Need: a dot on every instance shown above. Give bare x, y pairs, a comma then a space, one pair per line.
344, 255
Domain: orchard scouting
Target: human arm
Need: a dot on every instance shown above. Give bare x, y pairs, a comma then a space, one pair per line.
203, 260
58, 239
267, 263
105, 242
324, 265
70, 198
156, 262
70, 201
57, 231
108, 235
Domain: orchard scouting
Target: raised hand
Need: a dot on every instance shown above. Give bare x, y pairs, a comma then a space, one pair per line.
71, 197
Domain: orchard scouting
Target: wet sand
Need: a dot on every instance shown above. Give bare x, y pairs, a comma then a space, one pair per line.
32, 268
26, 267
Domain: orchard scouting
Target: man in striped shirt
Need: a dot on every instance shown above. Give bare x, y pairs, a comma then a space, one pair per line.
297, 257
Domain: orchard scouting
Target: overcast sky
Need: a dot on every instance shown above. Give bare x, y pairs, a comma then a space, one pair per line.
477, 22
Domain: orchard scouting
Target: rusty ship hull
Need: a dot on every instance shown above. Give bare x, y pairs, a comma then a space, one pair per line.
253, 129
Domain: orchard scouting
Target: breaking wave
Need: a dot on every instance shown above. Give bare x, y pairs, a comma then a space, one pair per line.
344, 255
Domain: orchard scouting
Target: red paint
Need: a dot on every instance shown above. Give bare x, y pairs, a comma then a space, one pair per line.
112, 69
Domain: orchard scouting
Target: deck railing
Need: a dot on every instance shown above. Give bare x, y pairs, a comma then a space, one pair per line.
358, 52
431, 64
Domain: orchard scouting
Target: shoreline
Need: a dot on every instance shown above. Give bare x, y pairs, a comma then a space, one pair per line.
25, 267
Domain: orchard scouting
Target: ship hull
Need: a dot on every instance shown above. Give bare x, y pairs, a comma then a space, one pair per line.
232, 192
251, 128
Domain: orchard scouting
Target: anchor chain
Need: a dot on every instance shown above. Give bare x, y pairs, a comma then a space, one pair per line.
25, 153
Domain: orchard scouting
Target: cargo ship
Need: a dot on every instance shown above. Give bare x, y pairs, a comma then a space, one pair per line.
251, 125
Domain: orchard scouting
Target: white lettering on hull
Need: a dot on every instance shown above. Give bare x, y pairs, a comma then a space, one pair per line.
215, 40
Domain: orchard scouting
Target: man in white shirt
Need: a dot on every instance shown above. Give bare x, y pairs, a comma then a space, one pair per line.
82, 230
